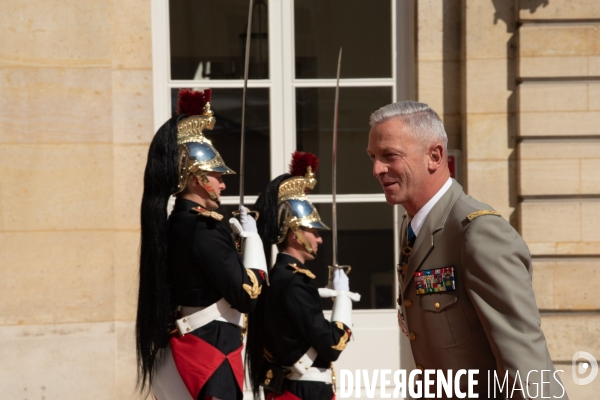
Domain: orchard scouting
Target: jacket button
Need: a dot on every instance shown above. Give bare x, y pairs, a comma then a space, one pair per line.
412, 336
437, 306
407, 303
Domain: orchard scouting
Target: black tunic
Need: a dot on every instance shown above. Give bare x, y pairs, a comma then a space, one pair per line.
204, 266
294, 322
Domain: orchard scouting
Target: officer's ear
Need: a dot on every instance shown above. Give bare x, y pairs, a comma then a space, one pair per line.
291, 240
192, 185
437, 156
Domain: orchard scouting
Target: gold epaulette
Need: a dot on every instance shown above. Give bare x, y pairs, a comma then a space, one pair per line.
297, 269
479, 213
210, 214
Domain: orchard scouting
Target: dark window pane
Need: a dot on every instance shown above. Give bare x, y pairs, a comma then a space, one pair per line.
366, 243
227, 106
208, 39
362, 27
314, 133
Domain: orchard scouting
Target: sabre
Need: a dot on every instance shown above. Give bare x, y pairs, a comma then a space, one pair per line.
243, 135
236, 214
334, 175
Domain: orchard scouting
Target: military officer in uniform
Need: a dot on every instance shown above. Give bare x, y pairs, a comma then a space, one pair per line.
291, 346
466, 299
194, 285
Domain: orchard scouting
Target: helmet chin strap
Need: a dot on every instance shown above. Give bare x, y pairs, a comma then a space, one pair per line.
205, 183
300, 236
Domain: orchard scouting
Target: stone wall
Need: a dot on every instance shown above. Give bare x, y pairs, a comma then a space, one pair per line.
559, 156
520, 81
75, 123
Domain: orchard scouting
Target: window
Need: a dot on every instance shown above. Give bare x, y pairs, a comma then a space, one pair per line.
290, 105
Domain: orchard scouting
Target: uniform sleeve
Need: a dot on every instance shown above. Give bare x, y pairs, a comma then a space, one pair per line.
497, 277
303, 303
216, 253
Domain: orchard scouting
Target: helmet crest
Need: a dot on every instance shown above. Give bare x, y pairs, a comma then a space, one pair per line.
192, 102
301, 161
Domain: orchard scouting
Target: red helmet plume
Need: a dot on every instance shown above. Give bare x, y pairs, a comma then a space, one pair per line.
191, 102
301, 161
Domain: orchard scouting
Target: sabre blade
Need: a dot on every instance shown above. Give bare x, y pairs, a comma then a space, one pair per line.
243, 135
334, 163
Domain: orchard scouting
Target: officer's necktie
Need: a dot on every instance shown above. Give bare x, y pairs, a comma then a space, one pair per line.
407, 249
411, 235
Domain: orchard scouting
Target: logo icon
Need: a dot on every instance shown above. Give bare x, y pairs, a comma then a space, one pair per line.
582, 367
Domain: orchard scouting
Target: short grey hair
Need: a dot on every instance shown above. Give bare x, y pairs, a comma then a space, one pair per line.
422, 121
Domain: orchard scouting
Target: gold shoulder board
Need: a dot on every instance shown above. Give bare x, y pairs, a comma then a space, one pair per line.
209, 214
476, 214
301, 270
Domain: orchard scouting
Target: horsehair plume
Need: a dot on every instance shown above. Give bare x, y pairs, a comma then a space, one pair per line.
301, 161
191, 102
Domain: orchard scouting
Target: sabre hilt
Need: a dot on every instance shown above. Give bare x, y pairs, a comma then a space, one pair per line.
255, 214
331, 268
237, 225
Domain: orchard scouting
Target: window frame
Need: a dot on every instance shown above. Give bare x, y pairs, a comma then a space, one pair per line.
282, 86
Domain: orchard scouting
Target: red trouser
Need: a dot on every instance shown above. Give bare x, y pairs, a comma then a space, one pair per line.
189, 349
284, 396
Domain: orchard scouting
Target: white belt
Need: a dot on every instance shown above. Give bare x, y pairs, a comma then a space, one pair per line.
313, 374
196, 317
302, 370
301, 366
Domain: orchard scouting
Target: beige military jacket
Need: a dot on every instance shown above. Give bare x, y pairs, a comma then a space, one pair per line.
490, 321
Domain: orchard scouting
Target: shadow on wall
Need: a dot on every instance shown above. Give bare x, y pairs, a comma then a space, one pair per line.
531, 5
505, 12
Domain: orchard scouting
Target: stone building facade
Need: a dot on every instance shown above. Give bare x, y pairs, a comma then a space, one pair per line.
517, 83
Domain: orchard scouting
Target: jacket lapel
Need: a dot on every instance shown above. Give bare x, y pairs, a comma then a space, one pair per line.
434, 223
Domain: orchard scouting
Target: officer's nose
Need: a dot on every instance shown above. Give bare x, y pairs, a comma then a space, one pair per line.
379, 168
222, 185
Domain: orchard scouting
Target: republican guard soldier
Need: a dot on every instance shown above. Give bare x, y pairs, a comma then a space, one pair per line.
194, 285
291, 345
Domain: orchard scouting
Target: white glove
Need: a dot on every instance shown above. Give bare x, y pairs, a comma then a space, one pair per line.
248, 223
253, 254
342, 305
339, 280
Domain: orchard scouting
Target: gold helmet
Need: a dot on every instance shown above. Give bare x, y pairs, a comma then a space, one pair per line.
197, 155
294, 209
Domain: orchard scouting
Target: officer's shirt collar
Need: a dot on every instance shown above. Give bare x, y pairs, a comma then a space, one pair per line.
416, 222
